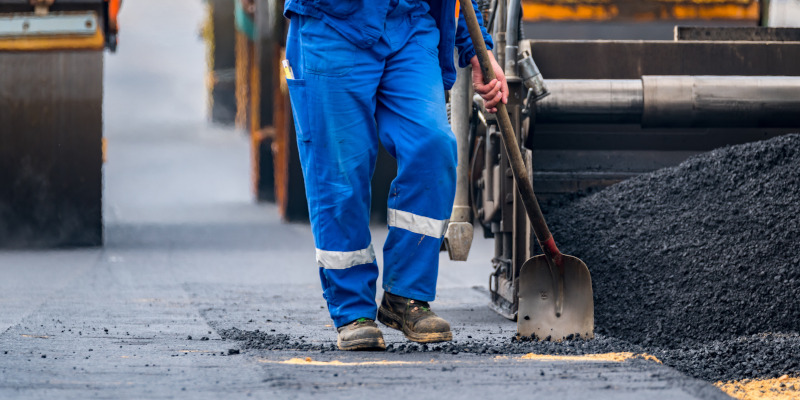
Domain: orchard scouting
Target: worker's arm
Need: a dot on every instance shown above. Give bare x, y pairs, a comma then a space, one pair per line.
463, 42
494, 91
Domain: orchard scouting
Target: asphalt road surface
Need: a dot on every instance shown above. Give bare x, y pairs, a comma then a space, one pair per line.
189, 255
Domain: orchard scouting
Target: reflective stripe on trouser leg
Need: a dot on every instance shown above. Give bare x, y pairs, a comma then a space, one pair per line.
345, 259
417, 223
412, 124
333, 97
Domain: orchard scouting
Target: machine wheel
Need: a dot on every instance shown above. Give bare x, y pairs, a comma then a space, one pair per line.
51, 155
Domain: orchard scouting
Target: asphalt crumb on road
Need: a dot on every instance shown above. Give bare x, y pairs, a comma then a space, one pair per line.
261, 340
696, 264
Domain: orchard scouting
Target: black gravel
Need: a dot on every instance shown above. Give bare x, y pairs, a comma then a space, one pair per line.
694, 257
260, 340
757, 356
696, 264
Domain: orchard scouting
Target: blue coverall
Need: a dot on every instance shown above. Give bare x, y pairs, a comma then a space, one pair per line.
351, 88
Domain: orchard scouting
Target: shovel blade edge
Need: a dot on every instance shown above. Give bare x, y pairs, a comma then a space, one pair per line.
538, 291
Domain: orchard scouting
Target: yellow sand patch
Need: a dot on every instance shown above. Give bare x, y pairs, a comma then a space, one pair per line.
337, 363
606, 357
147, 300
783, 388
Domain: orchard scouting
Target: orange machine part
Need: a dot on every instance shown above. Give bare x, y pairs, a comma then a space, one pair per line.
113, 11
643, 10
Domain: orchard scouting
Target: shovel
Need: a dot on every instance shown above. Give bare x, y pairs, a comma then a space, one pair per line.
554, 289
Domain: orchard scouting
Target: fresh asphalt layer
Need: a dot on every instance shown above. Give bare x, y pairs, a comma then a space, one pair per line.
141, 319
189, 256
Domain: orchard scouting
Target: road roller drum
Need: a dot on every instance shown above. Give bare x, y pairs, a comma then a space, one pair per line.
51, 126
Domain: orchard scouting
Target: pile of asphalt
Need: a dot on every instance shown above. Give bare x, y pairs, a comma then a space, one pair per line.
695, 257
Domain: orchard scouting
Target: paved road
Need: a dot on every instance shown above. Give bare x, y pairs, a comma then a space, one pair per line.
189, 254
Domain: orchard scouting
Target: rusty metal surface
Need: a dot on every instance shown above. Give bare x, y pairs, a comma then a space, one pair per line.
50, 149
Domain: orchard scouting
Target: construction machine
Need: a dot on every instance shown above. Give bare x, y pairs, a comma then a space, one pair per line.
614, 109
51, 128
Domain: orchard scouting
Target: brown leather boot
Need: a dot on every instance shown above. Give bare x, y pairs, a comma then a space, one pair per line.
361, 334
414, 318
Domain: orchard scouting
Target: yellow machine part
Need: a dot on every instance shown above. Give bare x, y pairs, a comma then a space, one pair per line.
644, 10
50, 43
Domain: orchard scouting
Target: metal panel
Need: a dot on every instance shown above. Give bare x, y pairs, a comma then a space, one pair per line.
607, 160
562, 164
20, 25
51, 149
578, 158
751, 34
633, 137
632, 59
58, 5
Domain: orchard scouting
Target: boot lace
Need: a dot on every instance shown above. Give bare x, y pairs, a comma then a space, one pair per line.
421, 305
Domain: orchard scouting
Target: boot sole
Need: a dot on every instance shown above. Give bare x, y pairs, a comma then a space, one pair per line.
393, 321
374, 344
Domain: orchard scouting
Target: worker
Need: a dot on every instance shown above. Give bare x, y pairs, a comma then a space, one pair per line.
360, 71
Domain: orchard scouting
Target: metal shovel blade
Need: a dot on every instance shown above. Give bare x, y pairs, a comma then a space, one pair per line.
539, 297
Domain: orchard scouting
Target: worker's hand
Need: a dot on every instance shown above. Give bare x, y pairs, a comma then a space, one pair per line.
493, 92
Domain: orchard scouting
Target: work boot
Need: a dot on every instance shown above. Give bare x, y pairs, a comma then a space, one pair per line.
361, 334
414, 318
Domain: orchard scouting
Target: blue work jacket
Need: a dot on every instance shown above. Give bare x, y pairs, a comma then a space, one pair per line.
362, 22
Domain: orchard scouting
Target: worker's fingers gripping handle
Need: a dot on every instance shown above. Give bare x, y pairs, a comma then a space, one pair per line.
509, 139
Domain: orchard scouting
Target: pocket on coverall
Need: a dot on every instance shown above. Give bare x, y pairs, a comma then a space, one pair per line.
297, 96
325, 51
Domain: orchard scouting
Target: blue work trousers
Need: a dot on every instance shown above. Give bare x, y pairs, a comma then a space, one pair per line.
344, 99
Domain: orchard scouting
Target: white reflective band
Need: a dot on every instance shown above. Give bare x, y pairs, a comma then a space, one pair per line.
345, 259
418, 224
